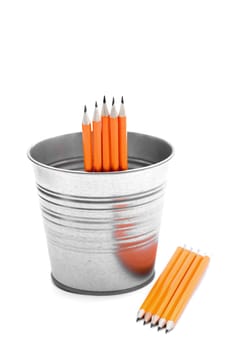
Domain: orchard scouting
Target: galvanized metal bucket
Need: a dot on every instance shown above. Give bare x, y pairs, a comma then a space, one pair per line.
102, 228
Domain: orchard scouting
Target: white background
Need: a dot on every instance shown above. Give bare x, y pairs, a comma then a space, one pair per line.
174, 62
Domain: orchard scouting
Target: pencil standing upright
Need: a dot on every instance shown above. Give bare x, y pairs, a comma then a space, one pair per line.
97, 157
105, 137
114, 152
122, 138
86, 141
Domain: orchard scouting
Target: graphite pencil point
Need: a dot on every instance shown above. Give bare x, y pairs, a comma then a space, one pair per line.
85, 109
96, 105
159, 328
166, 331
104, 99
138, 319
122, 100
113, 101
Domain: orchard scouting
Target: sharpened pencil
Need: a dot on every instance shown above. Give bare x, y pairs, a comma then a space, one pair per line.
184, 299
175, 283
161, 295
166, 315
158, 284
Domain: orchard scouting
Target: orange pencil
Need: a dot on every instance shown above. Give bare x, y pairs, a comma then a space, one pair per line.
158, 284
114, 152
161, 303
179, 308
105, 137
166, 315
97, 157
160, 296
122, 138
86, 141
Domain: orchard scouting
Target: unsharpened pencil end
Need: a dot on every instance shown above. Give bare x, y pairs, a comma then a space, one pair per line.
113, 101
85, 109
122, 100
104, 99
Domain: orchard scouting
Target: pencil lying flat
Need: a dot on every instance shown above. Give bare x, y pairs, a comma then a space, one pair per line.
105, 137
97, 157
158, 284
166, 315
122, 138
184, 299
86, 141
161, 295
173, 287
114, 153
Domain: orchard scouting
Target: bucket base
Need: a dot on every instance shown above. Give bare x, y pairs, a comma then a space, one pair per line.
87, 292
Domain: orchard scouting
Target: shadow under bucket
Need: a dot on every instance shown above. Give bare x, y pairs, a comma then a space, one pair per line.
102, 228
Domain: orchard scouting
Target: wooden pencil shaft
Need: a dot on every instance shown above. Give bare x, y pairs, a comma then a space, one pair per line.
97, 149
160, 296
122, 139
177, 295
184, 299
158, 284
114, 147
105, 143
87, 146
169, 292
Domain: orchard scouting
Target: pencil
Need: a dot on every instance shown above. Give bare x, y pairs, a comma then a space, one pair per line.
160, 307
86, 141
166, 315
158, 284
105, 137
122, 138
97, 158
114, 153
184, 299
161, 295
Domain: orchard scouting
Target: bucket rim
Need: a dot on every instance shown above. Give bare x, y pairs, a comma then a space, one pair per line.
92, 173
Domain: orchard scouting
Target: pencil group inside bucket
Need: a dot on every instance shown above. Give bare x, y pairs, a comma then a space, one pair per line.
105, 139
171, 292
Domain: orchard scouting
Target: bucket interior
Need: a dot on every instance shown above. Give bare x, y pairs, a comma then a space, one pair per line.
65, 152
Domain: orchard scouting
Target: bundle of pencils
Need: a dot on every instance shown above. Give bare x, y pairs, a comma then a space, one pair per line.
170, 294
105, 142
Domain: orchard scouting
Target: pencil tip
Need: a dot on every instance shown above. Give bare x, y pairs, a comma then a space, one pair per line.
158, 328
152, 325
85, 109
122, 100
137, 319
96, 105
104, 99
113, 101
167, 330
145, 323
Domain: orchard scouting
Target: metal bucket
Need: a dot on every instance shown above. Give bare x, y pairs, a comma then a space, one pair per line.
102, 228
